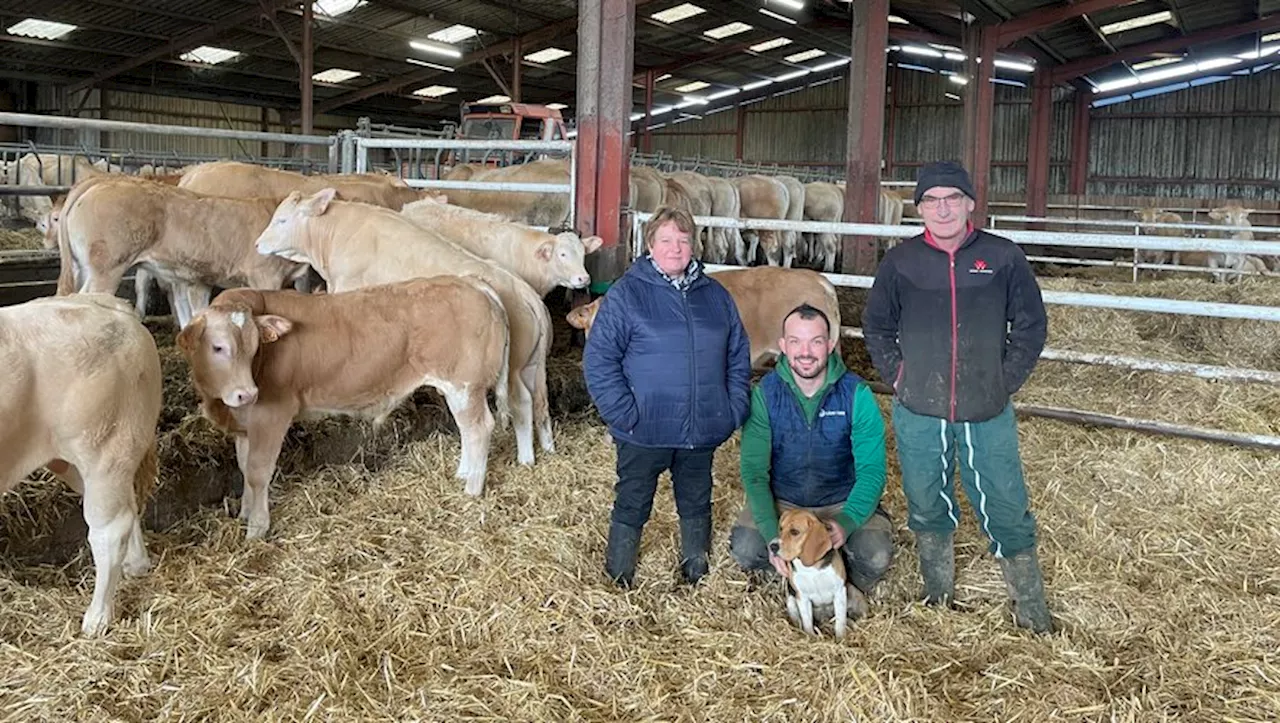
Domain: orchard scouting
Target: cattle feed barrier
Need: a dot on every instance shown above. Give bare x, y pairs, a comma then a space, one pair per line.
1161, 305
361, 146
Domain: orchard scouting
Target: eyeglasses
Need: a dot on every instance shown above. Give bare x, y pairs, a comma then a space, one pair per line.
931, 202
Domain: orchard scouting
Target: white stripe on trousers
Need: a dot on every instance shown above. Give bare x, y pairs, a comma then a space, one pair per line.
982, 497
946, 480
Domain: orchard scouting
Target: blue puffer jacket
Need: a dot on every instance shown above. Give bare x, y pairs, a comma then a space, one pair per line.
667, 368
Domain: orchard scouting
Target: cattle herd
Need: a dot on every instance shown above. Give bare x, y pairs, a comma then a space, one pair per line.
420, 289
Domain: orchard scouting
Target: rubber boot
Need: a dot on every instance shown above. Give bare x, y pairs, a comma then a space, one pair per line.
695, 543
1026, 589
620, 556
937, 566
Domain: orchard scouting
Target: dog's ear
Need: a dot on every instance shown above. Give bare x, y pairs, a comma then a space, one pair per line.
817, 542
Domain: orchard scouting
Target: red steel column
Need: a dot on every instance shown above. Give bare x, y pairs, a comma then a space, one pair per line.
1080, 144
979, 106
866, 130
605, 62
1038, 145
889, 124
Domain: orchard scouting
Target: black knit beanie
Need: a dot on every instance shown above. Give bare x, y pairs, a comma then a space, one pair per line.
943, 173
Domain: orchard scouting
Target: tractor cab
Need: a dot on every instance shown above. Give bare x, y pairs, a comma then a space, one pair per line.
506, 122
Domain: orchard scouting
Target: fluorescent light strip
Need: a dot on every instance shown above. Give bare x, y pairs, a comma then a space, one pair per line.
723, 94
557, 106
427, 64
952, 96
435, 48
1013, 65
776, 16
792, 75
958, 79
793, 4
926, 52
756, 84
898, 20
829, 65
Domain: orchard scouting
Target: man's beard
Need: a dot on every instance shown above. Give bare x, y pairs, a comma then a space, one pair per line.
818, 370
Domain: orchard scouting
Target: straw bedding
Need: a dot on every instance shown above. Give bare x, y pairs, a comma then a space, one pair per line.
383, 592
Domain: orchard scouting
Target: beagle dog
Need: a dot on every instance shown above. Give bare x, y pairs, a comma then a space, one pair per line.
817, 573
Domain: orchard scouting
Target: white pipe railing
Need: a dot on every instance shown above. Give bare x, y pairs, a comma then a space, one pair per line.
464, 144
484, 186
1066, 221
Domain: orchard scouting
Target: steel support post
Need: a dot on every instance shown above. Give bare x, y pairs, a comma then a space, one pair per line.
865, 130
646, 144
517, 61
306, 71
979, 106
606, 36
1038, 146
1080, 144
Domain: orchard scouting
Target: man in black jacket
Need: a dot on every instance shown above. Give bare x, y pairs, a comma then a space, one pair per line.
956, 323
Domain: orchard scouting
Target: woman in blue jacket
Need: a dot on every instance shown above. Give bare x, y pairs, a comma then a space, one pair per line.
668, 367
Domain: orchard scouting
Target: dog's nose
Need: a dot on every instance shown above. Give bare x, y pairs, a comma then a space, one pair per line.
774, 547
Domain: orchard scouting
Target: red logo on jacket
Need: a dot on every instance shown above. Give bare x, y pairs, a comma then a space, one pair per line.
980, 267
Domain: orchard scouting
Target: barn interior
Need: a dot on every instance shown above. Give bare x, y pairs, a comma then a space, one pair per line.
384, 592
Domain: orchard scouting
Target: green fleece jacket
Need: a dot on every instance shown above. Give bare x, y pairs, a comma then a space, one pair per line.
866, 436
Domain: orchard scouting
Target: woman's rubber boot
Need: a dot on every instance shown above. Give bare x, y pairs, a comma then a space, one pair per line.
695, 544
937, 566
620, 557
1026, 589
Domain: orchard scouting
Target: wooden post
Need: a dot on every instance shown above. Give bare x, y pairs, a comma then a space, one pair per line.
865, 129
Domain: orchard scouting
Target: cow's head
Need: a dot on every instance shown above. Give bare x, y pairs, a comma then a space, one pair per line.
1232, 214
47, 224
565, 254
584, 316
286, 234
220, 344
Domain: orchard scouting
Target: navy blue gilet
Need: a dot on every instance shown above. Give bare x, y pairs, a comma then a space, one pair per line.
811, 466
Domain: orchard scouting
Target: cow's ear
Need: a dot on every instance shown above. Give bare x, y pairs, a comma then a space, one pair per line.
319, 202
190, 336
272, 327
545, 250
591, 244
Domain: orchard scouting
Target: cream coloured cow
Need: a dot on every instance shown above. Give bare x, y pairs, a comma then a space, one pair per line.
81, 394
824, 202
692, 192
354, 245
1151, 215
48, 169
192, 242
795, 212
767, 198
725, 203
261, 359
1233, 213
544, 261
534, 209
247, 180
764, 295
646, 189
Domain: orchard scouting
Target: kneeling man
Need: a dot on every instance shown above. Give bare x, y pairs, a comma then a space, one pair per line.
814, 440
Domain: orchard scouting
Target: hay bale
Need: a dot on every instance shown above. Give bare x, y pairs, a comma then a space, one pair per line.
20, 239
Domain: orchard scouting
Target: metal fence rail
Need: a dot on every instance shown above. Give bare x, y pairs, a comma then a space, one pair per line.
361, 146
